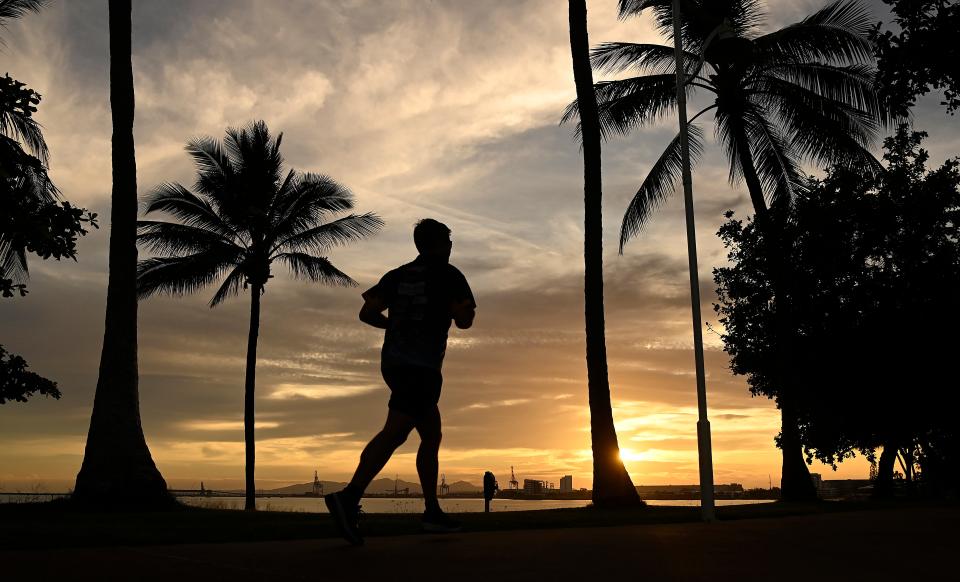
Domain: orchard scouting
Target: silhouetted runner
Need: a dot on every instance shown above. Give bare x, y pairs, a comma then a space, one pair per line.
420, 298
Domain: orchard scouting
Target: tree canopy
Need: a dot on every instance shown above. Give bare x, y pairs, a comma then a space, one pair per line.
873, 264
921, 55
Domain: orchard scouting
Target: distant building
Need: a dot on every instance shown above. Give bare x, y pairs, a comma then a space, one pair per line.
566, 484
846, 488
534, 487
817, 481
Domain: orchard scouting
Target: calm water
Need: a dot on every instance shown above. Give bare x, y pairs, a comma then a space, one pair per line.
387, 505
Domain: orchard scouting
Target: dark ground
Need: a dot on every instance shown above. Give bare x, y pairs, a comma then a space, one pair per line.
907, 543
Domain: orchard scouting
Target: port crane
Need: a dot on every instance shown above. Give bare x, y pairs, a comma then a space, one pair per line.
514, 484
317, 485
444, 488
396, 487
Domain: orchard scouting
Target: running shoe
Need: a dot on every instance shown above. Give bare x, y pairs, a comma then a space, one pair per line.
346, 516
439, 522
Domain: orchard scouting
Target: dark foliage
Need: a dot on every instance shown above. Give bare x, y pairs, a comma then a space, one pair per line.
18, 384
873, 265
32, 217
923, 54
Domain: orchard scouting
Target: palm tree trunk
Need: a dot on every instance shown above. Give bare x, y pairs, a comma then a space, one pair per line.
795, 481
611, 483
117, 467
883, 484
248, 396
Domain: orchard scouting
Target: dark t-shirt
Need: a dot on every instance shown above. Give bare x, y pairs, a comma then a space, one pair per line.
419, 297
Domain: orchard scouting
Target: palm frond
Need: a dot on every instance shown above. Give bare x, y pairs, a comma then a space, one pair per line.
820, 129
13, 9
660, 182
729, 130
316, 269
854, 85
339, 232
835, 34
616, 57
258, 174
214, 168
229, 288
13, 261
170, 238
255, 154
629, 103
189, 208
27, 130
181, 275
698, 17
778, 170
308, 199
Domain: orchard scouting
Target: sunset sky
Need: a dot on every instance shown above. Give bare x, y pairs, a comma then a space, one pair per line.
446, 109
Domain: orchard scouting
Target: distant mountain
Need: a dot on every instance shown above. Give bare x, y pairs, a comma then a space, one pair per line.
382, 486
386, 485
464, 487
328, 487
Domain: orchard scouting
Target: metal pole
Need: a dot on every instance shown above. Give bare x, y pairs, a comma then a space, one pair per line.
703, 425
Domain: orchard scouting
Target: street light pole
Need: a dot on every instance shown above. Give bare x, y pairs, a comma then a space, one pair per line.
703, 424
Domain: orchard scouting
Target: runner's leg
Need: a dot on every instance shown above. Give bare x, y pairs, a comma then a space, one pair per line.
376, 454
428, 426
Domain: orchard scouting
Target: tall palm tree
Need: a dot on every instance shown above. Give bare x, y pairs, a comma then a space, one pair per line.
804, 93
247, 213
117, 466
611, 482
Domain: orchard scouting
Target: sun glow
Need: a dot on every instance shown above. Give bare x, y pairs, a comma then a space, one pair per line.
630, 455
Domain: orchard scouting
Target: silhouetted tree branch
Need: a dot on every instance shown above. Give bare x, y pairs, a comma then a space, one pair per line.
19, 384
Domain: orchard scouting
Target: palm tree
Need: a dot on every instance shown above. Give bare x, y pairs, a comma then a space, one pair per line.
611, 482
247, 212
804, 93
117, 466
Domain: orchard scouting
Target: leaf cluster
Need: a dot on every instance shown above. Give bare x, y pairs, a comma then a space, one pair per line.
17, 383
921, 55
33, 219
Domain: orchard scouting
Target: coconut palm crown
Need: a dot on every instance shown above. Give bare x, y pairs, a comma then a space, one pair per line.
804, 93
246, 213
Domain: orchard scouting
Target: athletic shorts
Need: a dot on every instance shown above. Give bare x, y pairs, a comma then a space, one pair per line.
414, 390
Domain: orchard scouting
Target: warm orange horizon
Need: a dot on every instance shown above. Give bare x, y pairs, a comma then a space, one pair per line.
448, 112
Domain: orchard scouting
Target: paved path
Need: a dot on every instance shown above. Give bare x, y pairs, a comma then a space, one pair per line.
913, 545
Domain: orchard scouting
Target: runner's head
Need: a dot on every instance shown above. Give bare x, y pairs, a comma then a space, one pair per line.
432, 239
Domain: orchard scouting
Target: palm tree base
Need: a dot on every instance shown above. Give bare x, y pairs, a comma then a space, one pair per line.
119, 485
619, 502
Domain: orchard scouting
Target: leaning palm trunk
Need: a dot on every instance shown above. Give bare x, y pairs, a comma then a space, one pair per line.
611, 483
117, 466
248, 396
795, 481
